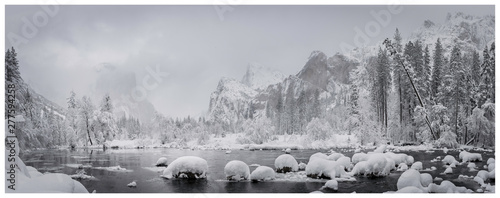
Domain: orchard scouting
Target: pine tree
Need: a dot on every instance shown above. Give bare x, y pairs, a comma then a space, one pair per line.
12, 73
86, 109
487, 78
106, 104
436, 76
381, 86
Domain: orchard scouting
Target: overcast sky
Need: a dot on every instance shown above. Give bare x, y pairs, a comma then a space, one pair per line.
95, 49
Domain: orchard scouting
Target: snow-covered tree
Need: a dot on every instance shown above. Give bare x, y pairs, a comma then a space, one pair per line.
318, 129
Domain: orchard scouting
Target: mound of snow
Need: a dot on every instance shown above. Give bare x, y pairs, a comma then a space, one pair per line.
470, 157
448, 171
380, 149
288, 151
400, 158
237, 170
491, 174
409, 159
483, 175
322, 168
191, 167
490, 160
263, 173
359, 168
332, 184
471, 166
417, 166
402, 167
335, 156
302, 166
132, 184
162, 161
491, 166
425, 179
449, 160
51, 183
113, 169
318, 155
447, 187
479, 180
286, 163
378, 165
358, 157
411, 177
345, 161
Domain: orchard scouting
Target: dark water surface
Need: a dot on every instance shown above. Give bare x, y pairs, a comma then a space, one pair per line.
140, 166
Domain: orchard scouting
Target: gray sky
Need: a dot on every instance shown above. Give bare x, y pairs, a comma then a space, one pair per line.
191, 43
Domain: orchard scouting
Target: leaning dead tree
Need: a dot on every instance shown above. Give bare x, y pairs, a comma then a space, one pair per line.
397, 57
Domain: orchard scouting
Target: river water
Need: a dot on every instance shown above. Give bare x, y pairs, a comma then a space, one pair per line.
139, 165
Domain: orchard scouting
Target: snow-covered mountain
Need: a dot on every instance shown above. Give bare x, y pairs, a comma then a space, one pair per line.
259, 77
468, 31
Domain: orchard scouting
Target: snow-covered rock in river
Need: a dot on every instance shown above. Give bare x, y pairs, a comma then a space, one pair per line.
286, 163
470, 157
380, 149
490, 160
410, 189
448, 170
345, 161
491, 166
237, 170
335, 156
132, 184
318, 155
332, 184
191, 167
425, 179
483, 175
411, 177
263, 173
162, 161
447, 187
417, 166
449, 160
358, 157
302, 166
288, 151
322, 168
402, 167
471, 166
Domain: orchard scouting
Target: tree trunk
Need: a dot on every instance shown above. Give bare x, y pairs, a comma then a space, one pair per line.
88, 131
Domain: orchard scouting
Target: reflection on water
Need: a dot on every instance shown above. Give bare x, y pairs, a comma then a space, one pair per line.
139, 164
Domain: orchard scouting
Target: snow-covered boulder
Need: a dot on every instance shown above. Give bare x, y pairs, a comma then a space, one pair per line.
491, 166
447, 187
449, 160
50, 183
483, 175
263, 173
322, 168
377, 165
417, 166
411, 177
490, 160
286, 163
345, 161
237, 170
471, 166
448, 171
335, 156
302, 166
358, 157
332, 184
399, 158
491, 174
132, 184
470, 157
318, 155
191, 167
162, 161
425, 179
288, 151
380, 149
402, 167
409, 160
359, 168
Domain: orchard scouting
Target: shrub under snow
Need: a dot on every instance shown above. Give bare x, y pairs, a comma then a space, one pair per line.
237, 170
191, 167
286, 163
263, 173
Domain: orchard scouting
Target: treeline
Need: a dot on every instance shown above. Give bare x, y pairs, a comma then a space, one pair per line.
423, 96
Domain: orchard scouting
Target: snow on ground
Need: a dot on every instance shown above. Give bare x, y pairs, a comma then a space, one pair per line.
78, 166
263, 173
162, 161
470, 157
237, 170
286, 163
186, 167
447, 187
29, 180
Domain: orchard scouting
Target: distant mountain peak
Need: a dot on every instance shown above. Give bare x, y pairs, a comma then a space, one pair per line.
258, 76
